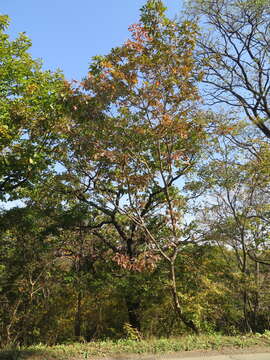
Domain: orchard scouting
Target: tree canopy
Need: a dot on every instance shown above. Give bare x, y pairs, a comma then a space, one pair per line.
30, 113
233, 50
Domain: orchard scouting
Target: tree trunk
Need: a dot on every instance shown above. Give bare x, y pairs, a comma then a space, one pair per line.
245, 310
133, 307
78, 319
189, 323
257, 297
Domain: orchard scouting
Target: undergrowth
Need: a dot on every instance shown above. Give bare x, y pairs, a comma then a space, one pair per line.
83, 350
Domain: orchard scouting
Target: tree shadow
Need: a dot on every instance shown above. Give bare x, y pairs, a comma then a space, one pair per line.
33, 354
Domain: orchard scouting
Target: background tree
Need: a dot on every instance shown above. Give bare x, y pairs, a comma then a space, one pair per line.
234, 204
31, 115
27, 276
233, 50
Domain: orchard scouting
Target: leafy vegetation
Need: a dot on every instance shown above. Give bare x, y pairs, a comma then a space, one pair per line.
146, 210
127, 346
30, 109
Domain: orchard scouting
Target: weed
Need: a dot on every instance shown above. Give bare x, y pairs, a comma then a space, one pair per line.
133, 344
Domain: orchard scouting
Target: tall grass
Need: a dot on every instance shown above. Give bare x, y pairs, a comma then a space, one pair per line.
82, 351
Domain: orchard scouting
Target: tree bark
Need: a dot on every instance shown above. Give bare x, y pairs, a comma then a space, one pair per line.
188, 323
78, 318
245, 310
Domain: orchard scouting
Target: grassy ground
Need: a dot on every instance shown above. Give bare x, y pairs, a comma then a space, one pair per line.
83, 351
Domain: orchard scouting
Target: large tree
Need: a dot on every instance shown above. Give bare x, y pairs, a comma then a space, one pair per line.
134, 136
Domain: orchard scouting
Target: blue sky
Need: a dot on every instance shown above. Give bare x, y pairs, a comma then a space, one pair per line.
67, 33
